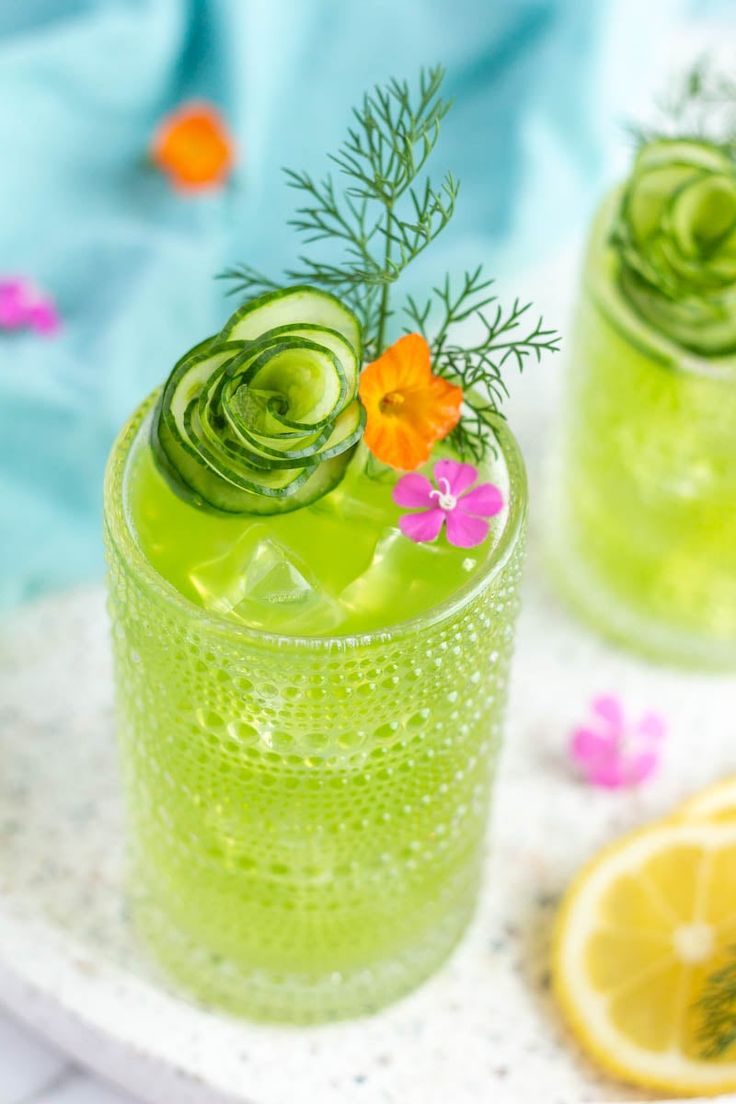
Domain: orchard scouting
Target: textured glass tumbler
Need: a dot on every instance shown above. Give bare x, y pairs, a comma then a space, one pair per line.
642, 524
306, 816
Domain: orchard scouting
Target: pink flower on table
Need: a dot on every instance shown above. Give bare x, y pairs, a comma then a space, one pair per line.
450, 503
614, 752
22, 306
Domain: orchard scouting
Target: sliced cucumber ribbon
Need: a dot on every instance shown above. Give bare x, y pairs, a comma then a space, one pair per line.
675, 235
263, 417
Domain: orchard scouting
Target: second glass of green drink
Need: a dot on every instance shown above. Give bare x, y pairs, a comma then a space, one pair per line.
643, 519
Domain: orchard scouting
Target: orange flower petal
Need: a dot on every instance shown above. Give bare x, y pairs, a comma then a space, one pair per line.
404, 364
193, 147
395, 444
408, 409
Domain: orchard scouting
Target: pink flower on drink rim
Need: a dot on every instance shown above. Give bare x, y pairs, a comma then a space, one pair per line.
614, 752
23, 305
451, 503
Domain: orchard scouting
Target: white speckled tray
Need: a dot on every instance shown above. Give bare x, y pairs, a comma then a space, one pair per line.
484, 1029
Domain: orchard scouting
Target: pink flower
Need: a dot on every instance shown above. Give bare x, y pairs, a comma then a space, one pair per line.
12, 304
43, 317
613, 752
22, 305
451, 503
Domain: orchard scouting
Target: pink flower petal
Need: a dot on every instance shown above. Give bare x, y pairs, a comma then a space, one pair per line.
13, 314
44, 319
465, 531
21, 304
484, 501
421, 527
652, 727
612, 751
587, 746
413, 490
608, 774
15, 289
641, 767
611, 711
458, 475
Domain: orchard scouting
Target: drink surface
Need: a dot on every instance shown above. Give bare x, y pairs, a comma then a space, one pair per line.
339, 566
646, 514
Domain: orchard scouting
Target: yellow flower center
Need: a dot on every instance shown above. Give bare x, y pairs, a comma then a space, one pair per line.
392, 402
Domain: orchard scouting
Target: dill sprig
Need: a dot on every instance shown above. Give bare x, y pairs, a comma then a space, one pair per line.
478, 368
717, 1008
700, 105
384, 217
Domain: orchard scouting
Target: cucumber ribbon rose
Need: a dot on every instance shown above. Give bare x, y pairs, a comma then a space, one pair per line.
263, 417
676, 239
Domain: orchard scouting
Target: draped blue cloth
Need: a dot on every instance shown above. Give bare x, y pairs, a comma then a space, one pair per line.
83, 84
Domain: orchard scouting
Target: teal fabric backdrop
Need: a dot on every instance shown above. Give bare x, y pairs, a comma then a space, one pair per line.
83, 84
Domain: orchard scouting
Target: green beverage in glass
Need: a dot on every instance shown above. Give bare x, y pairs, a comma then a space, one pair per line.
312, 648
643, 526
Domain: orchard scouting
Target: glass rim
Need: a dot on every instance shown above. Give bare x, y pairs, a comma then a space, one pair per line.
139, 567
661, 348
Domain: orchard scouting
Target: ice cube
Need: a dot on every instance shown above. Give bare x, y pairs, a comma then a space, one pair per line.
220, 581
282, 594
272, 576
261, 582
398, 583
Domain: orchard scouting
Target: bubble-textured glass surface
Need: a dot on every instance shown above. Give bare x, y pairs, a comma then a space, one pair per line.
642, 526
306, 815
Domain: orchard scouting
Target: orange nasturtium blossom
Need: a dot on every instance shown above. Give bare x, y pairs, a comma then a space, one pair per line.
408, 409
193, 147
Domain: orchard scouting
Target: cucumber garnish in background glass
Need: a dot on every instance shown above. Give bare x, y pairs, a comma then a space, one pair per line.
642, 530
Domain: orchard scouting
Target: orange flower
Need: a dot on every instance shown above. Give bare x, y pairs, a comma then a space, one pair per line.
193, 146
408, 408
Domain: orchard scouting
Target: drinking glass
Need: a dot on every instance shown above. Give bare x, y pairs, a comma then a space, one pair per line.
306, 815
642, 523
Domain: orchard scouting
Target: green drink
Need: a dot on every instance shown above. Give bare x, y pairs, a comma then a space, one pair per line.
643, 526
306, 813
339, 566
312, 594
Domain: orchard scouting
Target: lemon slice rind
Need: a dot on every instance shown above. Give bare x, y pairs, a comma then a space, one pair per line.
714, 802
585, 1006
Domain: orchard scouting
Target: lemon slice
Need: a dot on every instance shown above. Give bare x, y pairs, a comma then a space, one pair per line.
640, 933
716, 802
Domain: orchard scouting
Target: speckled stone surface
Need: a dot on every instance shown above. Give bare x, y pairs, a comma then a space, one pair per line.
484, 1028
